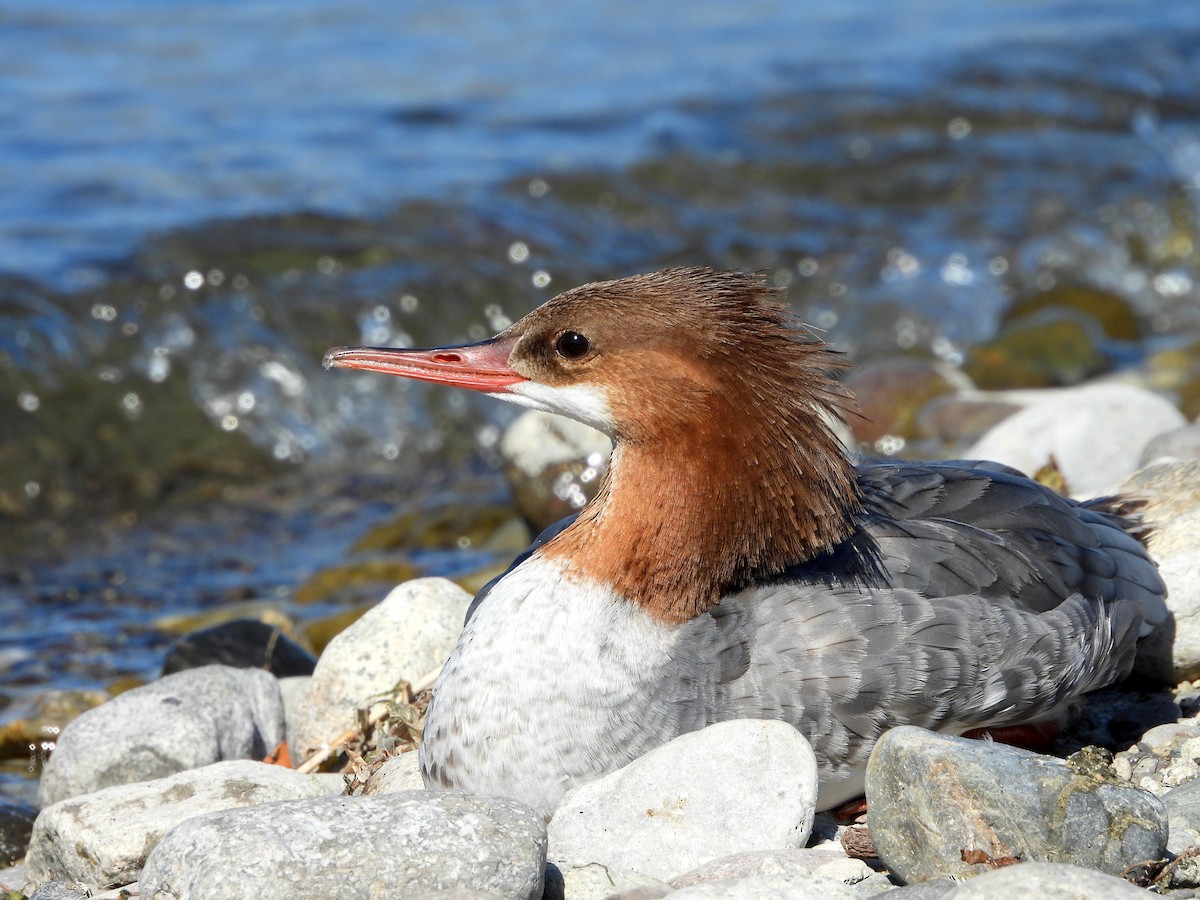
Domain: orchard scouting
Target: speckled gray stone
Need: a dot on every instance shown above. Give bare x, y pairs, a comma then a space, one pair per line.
1183, 813
1046, 881
403, 773
76, 839
183, 721
394, 845
934, 799
735, 786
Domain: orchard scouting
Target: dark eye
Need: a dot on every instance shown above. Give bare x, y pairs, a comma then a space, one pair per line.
572, 345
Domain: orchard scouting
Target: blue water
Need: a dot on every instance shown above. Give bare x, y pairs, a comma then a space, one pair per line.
120, 119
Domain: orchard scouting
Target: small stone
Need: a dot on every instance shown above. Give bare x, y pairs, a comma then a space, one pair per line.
767, 887
184, 721
732, 787
396, 845
802, 860
243, 644
596, 882
403, 638
401, 773
1046, 881
942, 805
75, 839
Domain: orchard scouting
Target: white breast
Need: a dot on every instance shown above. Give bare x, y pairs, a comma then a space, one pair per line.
555, 680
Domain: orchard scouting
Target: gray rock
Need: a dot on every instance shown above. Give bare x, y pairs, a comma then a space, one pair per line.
1183, 813
403, 773
12, 878
926, 890
795, 886
1177, 444
406, 636
1045, 881
184, 721
395, 845
1172, 492
942, 805
734, 786
75, 839
61, 890
1095, 433
292, 690
803, 861
596, 882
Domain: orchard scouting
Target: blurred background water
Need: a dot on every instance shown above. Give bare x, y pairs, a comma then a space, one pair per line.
198, 199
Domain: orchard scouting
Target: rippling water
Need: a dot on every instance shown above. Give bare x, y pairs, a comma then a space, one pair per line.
200, 198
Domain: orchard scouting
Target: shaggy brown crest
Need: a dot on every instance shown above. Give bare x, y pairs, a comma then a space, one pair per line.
724, 469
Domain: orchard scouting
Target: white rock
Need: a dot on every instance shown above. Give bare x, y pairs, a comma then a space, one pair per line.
403, 638
403, 773
732, 787
1095, 433
102, 839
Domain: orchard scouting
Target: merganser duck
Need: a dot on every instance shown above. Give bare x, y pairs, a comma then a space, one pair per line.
737, 564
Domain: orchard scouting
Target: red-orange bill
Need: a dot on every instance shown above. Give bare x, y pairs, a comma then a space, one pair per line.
480, 367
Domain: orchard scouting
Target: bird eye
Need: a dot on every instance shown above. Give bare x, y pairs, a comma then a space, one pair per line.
572, 345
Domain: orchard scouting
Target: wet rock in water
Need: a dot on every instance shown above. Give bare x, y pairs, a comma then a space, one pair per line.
16, 825
395, 845
402, 773
891, 394
554, 465
75, 840
1113, 314
354, 581
1045, 881
735, 786
243, 644
1046, 349
184, 721
403, 638
1172, 493
950, 806
1094, 433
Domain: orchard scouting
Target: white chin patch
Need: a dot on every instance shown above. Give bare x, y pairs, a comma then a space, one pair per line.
580, 402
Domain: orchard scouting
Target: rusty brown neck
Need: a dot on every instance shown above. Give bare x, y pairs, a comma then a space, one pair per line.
691, 513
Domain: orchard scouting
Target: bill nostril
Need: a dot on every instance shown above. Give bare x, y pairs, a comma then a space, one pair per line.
448, 358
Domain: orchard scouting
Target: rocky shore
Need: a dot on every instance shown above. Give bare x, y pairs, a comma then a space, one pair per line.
163, 791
